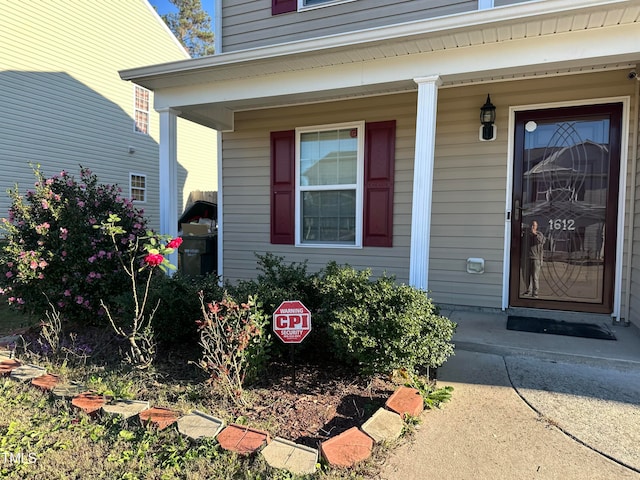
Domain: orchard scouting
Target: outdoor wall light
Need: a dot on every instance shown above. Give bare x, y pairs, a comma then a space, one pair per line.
487, 119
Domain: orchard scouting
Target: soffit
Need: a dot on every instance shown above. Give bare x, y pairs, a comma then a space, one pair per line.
208, 90
504, 24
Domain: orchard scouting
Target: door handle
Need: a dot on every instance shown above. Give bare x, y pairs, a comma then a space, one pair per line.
516, 210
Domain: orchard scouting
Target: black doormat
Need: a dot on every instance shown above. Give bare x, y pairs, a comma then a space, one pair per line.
559, 327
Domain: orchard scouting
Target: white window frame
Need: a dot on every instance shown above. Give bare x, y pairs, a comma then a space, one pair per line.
359, 185
136, 89
143, 189
325, 3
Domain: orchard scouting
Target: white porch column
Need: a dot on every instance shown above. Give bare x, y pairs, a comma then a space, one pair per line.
168, 176
423, 180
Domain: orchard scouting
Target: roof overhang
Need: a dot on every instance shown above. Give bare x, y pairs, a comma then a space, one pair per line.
547, 37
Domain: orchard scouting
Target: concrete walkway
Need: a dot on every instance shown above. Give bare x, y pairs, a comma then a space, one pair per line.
530, 406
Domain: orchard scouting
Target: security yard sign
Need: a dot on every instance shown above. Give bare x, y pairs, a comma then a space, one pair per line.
291, 321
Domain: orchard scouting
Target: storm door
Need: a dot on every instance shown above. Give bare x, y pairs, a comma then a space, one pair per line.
565, 208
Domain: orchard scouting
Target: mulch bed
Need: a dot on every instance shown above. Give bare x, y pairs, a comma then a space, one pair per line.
324, 401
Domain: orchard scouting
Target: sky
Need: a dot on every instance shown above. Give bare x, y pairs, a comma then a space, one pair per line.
165, 6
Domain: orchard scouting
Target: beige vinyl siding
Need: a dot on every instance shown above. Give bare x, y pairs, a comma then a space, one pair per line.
246, 189
634, 290
469, 198
469, 193
468, 207
63, 104
249, 23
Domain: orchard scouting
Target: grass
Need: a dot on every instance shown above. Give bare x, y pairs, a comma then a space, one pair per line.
44, 437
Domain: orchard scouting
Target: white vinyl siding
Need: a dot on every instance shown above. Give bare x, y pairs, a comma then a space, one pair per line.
249, 23
63, 104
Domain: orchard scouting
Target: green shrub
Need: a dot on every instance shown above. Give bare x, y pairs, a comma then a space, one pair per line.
378, 325
278, 282
174, 321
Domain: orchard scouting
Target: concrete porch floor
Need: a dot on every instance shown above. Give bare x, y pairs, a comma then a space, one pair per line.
485, 331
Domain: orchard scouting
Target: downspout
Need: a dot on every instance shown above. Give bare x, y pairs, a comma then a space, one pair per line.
217, 47
632, 206
220, 266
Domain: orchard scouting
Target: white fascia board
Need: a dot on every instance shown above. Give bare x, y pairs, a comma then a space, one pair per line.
582, 48
467, 20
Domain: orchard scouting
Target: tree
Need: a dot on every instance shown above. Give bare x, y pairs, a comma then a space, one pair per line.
191, 26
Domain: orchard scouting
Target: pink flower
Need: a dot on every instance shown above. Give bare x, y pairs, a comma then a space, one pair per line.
79, 300
63, 233
91, 259
153, 259
45, 204
9, 274
67, 293
175, 243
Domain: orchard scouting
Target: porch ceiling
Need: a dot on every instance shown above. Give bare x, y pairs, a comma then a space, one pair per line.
208, 90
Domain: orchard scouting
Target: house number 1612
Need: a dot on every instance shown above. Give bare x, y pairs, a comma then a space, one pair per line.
562, 224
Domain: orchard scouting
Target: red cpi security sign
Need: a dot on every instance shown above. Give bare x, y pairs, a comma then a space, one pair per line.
291, 322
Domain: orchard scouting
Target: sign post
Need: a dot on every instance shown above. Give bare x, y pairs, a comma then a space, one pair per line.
291, 324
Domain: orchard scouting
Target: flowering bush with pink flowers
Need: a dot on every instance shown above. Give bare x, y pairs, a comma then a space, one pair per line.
53, 254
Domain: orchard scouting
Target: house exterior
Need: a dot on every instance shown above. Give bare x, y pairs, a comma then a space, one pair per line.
351, 132
63, 104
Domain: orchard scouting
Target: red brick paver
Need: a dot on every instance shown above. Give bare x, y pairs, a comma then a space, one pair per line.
7, 365
89, 402
348, 448
242, 439
46, 382
158, 416
405, 401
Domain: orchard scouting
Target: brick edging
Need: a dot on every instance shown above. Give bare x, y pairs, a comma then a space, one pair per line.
343, 450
